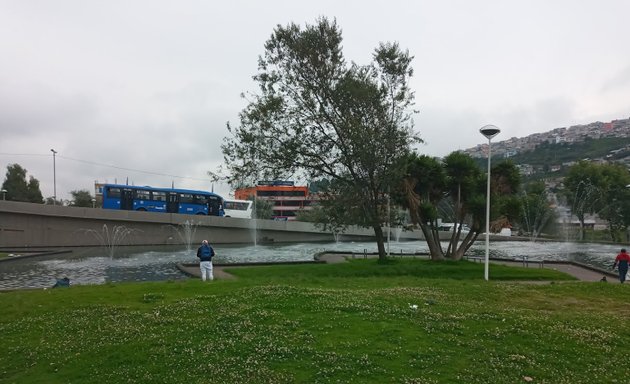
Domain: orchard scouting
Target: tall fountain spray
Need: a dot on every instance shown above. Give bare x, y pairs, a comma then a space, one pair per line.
254, 224
585, 201
336, 234
536, 214
110, 239
397, 232
186, 232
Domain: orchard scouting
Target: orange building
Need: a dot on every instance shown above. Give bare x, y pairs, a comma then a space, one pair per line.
287, 199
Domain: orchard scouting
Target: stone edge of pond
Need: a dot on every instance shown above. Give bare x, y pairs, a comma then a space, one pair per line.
22, 254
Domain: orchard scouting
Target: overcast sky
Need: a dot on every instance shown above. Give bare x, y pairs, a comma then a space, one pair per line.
117, 87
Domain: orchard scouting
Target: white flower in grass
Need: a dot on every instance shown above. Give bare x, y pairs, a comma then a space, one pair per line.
413, 306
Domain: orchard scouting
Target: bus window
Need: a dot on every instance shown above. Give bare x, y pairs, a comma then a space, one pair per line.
200, 199
185, 198
113, 192
159, 196
142, 194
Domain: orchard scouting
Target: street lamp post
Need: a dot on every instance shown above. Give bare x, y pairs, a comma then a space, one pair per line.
489, 131
54, 177
389, 222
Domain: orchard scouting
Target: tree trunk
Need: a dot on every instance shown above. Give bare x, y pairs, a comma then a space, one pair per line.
433, 241
465, 244
380, 242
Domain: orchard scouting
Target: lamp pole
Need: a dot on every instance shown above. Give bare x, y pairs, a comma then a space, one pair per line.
489, 131
54, 177
389, 222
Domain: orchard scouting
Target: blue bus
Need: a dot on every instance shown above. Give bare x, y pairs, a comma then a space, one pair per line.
167, 200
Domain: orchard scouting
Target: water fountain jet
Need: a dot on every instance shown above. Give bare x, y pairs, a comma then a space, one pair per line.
111, 239
186, 232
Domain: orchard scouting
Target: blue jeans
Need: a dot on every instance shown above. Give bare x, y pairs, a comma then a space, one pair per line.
623, 271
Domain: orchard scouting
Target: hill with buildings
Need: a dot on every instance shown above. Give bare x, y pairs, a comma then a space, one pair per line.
558, 149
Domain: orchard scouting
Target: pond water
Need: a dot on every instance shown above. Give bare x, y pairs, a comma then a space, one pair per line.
96, 266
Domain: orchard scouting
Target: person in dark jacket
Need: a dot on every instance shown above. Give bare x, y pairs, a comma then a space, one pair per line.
205, 253
621, 261
65, 282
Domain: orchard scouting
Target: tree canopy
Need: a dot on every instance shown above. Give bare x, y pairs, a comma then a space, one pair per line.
454, 187
316, 116
81, 198
18, 189
599, 188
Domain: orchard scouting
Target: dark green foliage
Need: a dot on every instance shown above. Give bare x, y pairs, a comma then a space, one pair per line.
454, 189
616, 210
18, 189
81, 198
263, 209
505, 206
547, 153
600, 188
506, 178
34, 194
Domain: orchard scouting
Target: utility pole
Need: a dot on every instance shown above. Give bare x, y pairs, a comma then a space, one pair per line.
54, 177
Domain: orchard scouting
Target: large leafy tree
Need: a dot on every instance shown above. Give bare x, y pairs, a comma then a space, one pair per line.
600, 189
463, 193
456, 182
506, 204
316, 116
421, 191
615, 181
18, 189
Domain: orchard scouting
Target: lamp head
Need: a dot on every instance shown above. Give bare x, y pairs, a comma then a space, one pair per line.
489, 131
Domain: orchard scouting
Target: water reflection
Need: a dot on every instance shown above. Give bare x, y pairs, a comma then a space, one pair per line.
95, 266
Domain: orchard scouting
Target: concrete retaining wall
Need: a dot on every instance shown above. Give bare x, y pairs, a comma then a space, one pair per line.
37, 225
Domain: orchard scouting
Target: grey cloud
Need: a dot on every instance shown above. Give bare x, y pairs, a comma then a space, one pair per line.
151, 88
542, 116
619, 81
28, 109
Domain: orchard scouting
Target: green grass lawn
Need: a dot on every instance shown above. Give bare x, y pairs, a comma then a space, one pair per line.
405, 321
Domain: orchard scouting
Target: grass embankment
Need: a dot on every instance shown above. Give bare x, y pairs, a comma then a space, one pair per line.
353, 322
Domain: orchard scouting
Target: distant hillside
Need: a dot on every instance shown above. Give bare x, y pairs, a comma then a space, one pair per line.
612, 148
550, 154
576, 135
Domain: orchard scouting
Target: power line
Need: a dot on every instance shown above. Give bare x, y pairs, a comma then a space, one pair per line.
23, 154
108, 166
